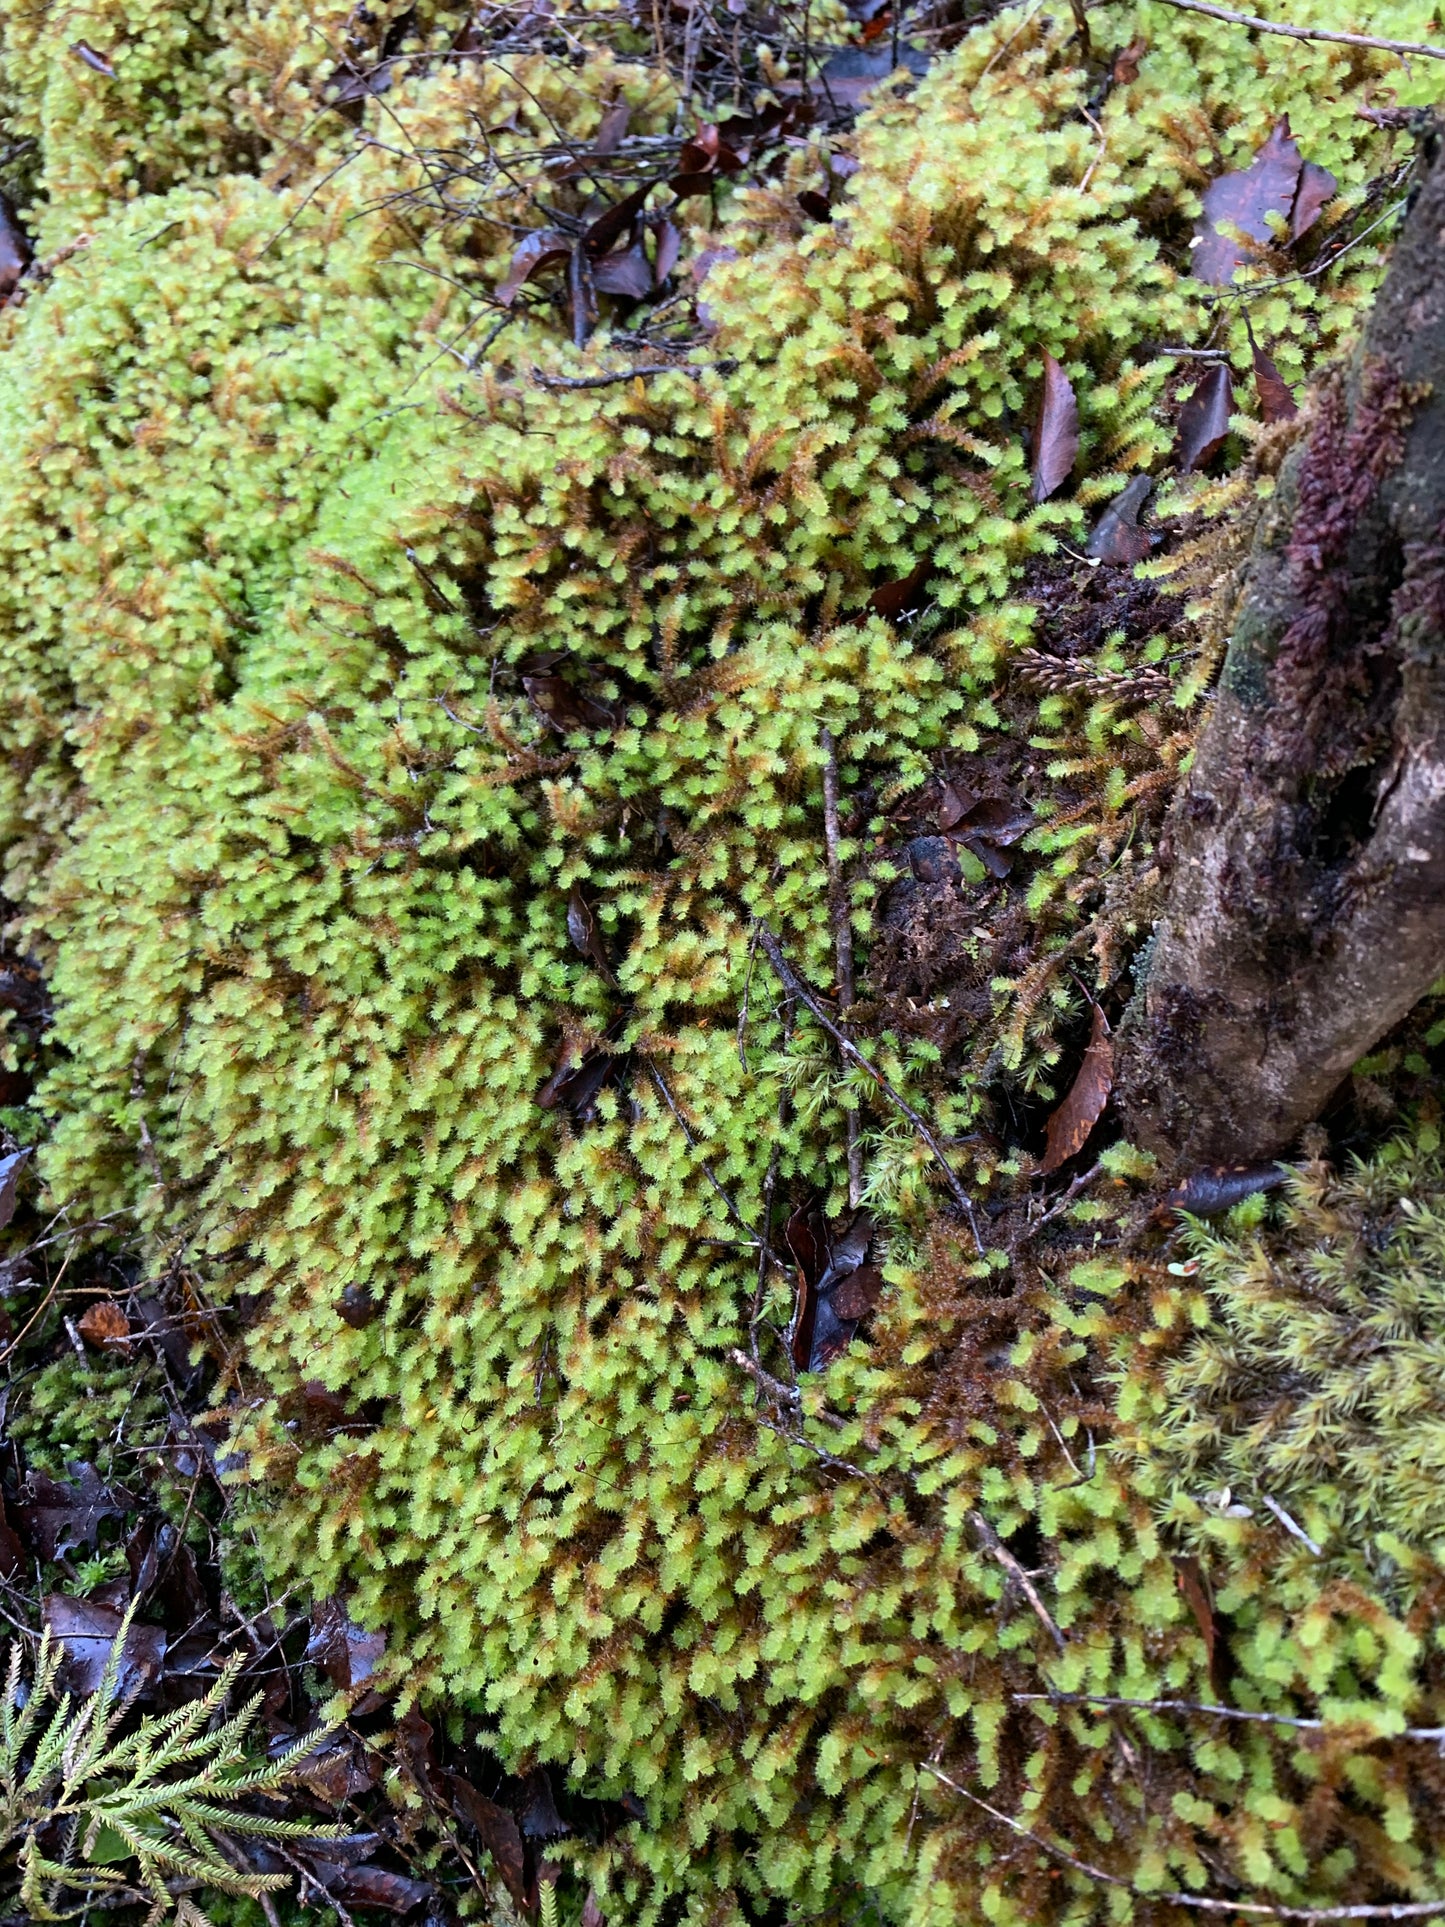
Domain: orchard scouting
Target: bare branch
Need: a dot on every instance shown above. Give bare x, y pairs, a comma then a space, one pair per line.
1420, 47
997, 1550
1430, 1733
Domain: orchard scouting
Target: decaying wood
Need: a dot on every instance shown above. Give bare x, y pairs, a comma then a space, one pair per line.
1306, 912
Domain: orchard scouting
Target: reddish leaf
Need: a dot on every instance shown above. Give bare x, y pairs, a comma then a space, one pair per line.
57, 1518
14, 250
416, 1746
88, 1632
1204, 418
894, 599
544, 249
105, 1326
1316, 187
609, 227
1117, 536
612, 129
10, 1169
1125, 70
565, 708
1189, 1575
701, 161
369, 1886
628, 274
1075, 1118
1056, 438
1277, 181
1276, 403
956, 803
345, 1653
815, 205
1207, 1193
856, 1295
499, 1834
592, 1915
97, 62
669, 247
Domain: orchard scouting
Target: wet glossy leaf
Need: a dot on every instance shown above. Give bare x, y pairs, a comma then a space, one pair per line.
88, 1632
1117, 536
1277, 182
1204, 418
10, 1169
369, 1886
95, 60
1075, 1118
582, 929
669, 247
537, 1813
499, 1834
345, 1653
1317, 187
610, 227
894, 599
1056, 437
1218, 1188
57, 1518
628, 274
356, 1307
856, 1295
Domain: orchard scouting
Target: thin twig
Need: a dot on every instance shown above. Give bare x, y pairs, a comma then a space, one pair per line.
842, 943
1291, 1526
1080, 1183
1431, 1733
998, 1551
794, 985
1399, 1910
689, 368
1234, 19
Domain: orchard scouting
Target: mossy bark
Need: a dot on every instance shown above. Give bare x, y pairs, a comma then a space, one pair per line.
1306, 912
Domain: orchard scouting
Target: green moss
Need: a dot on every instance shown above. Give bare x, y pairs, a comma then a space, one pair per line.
298, 850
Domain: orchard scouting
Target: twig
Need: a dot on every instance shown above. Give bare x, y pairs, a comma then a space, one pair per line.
1432, 1733
1291, 1526
628, 374
1080, 1183
1397, 1910
1234, 19
997, 1550
794, 985
842, 943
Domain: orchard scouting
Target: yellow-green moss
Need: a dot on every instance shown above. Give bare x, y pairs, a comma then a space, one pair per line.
299, 851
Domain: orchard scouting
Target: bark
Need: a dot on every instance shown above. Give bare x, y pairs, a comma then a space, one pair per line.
1306, 911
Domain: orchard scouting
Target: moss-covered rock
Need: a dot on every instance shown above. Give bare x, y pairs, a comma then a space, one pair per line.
298, 843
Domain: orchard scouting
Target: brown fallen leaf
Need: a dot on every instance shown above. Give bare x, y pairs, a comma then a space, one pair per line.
356, 1307
1218, 1188
1204, 418
894, 599
582, 929
567, 708
10, 1169
1189, 1575
612, 129
592, 1915
105, 1326
1278, 181
1117, 536
627, 273
88, 1631
1075, 1118
499, 1834
815, 205
669, 247
1276, 403
1056, 438
1125, 70
544, 249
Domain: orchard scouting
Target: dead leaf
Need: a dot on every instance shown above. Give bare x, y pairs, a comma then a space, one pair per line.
669, 247
14, 250
1218, 1188
1278, 181
338, 1770
592, 1915
499, 1834
344, 1653
10, 1169
367, 1885
582, 929
105, 1326
1125, 70
1075, 1118
849, 74
987, 827
537, 1813
894, 599
544, 249
1276, 403
856, 1295
356, 1307
1189, 1575
58, 1518
815, 205
88, 1632
1117, 536
1204, 418
1056, 438
611, 225
12, 1552
955, 805
566, 708
612, 129
701, 161
628, 274
582, 1075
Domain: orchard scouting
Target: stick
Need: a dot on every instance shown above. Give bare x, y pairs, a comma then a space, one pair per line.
996, 1549
1234, 19
1430, 1733
1400, 1910
842, 944
795, 987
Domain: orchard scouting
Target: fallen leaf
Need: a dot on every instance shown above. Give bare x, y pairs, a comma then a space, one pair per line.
815, 205
893, 599
344, 1653
353, 85
701, 161
14, 250
828, 1267
612, 129
566, 708
600, 234
1218, 1188
628, 274
416, 1747
369, 1886
499, 1834
1204, 418
543, 249
1125, 70
582, 929
338, 1770
537, 1812
1117, 536
1075, 1118
10, 1169
669, 247
97, 62
955, 804
1056, 438
105, 1326
582, 1075
58, 1518
1278, 181
88, 1632
12, 1552
856, 1295
1189, 1575
1276, 403
592, 1915
849, 74
988, 828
